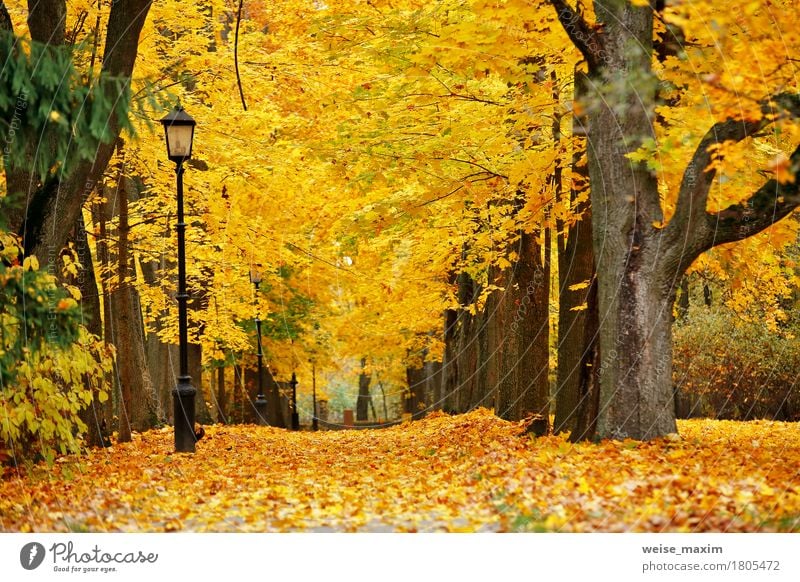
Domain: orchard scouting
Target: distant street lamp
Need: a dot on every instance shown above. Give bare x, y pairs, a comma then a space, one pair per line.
261, 400
314, 420
295, 415
179, 130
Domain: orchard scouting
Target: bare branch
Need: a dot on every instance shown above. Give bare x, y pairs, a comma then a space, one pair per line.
236, 54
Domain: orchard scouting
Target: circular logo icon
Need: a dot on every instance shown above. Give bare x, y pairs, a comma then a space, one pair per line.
31, 555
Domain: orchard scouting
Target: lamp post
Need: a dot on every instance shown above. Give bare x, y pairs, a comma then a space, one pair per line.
179, 131
261, 401
295, 415
314, 420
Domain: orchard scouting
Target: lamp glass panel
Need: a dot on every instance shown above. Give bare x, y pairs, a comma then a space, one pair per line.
179, 140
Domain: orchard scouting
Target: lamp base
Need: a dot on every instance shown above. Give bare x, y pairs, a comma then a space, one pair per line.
261, 410
183, 396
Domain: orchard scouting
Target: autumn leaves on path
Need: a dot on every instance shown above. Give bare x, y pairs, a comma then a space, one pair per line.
472, 472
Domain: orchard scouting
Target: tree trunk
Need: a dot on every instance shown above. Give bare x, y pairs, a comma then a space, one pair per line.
202, 412
577, 319
94, 415
101, 214
640, 260
138, 408
222, 398
588, 383
275, 401
362, 403
237, 406
532, 335
449, 380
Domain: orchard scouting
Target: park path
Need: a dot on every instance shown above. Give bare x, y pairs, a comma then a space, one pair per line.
471, 472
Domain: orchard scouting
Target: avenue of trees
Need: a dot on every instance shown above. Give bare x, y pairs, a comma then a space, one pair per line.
521, 205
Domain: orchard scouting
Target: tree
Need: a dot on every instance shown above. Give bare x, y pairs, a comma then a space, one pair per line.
640, 257
53, 202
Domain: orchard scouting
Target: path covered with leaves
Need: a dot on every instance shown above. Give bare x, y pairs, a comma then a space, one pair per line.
472, 472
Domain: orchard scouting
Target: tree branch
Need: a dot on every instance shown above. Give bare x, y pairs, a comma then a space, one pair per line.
770, 203
580, 33
689, 226
236, 55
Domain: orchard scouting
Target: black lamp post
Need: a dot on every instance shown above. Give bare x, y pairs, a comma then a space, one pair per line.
179, 130
314, 421
295, 415
261, 401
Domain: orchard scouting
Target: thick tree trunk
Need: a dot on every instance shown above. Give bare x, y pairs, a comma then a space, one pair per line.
635, 300
640, 260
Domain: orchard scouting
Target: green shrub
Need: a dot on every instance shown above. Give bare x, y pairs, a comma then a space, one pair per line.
729, 368
49, 365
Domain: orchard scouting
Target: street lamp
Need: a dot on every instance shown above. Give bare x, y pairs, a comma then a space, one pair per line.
314, 420
295, 415
179, 131
261, 401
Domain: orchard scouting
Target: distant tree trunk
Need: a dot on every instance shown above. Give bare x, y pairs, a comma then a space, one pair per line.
433, 380
237, 407
577, 315
504, 345
250, 393
275, 413
162, 358
588, 404
101, 214
94, 415
683, 298
364, 398
532, 336
138, 409
202, 413
222, 399
449, 381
